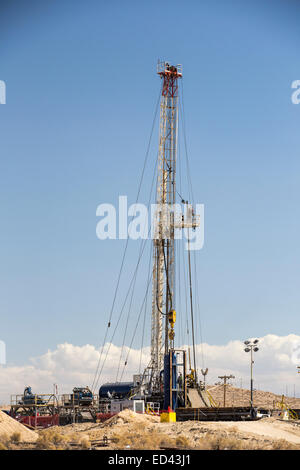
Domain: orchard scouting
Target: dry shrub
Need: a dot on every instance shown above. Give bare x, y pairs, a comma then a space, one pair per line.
226, 443
142, 439
124, 439
137, 437
233, 429
166, 441
51, 439
214, 442
282, 444
4, 442
15, 438
85, 443
142, 428
220, 443
44, 443
73, 437
182, 441
120, 437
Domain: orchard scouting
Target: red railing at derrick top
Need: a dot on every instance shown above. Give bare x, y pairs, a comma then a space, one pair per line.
169, 74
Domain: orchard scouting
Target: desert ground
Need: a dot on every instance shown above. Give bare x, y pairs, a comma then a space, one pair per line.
128, 430
241, 397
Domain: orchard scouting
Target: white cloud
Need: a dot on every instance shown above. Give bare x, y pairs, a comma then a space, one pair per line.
275, 365
69, 366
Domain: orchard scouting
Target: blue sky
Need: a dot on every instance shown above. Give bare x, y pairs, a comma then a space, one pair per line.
81, 93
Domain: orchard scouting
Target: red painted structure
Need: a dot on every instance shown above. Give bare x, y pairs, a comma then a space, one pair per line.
104, 416
44, 421
170, 75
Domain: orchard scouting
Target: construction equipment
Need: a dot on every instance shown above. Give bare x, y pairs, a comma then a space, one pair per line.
242, 413
30, 399
163, 271
165, 223
35, 410
82, 396
165, 379
116, 390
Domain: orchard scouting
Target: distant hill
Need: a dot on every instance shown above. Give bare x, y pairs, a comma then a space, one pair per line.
241, 397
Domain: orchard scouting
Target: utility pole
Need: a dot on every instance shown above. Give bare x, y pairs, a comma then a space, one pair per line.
225, 378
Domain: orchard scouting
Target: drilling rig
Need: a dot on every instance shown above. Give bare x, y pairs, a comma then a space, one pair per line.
163, 273
165, 379
166, 362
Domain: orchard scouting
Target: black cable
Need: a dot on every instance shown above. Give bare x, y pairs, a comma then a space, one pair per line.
132, 294
199, 311
145, 311
119, 318
158, 308
192, 312
167, 278
185, 144
136, 326
143, 244
126, 246
126, 326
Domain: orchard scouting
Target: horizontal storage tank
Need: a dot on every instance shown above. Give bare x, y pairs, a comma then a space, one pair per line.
116, 390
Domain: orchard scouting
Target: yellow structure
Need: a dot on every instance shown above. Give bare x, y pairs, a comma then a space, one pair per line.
169, 417
172, 320
286, 411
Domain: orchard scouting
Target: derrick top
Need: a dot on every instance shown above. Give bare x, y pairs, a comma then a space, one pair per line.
169, 74
165, 69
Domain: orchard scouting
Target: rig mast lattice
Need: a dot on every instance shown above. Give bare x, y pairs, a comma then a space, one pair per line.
163, 243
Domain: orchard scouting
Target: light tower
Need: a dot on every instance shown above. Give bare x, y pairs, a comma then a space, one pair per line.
163, 241
251, 346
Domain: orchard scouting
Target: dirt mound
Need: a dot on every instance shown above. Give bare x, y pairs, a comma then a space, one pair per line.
129, 430
241, 397
130, 417
9, 426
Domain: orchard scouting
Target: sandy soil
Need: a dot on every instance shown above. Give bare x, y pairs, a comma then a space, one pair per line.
241, 397
135, 431
268, 428
9, 426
